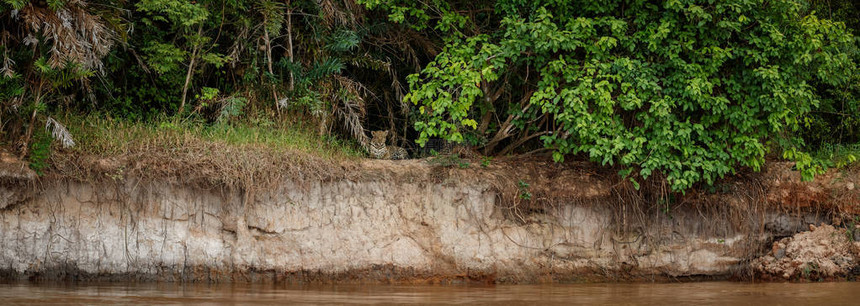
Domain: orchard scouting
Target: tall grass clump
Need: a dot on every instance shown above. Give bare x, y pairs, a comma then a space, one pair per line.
104, 136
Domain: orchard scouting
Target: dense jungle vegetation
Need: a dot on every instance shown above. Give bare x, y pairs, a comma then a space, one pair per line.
687, 91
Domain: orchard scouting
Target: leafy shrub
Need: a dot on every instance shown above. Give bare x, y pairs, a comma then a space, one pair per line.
693, 89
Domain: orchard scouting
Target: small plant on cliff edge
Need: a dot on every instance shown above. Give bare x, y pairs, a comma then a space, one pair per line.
117, 175
485, 161
851, 231
40, 152
810, 271
855, 230
525, 194
448, 160
665, 203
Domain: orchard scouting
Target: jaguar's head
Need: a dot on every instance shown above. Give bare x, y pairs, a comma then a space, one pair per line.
378, 136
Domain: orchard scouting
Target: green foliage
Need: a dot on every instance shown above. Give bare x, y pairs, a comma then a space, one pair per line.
11, 85
61, 77
837, 156
40, 151
689, 88
179, 13
14, 4
837, 119
223, 109
317, 59
839, 10
485, 161
231, 108
420, 15
525, 194
208, 93
449, 160
164, 57
343, 41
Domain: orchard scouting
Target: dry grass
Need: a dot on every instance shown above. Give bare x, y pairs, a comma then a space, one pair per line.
253, 154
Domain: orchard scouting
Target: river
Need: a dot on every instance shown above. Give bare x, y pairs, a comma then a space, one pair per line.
729, 293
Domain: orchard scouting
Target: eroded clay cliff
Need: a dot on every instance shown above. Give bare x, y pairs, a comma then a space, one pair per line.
404, 221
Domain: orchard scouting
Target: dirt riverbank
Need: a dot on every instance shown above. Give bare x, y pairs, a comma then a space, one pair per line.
415, 221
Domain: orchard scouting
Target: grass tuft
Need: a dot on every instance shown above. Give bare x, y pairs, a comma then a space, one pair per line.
104, 136
248, 154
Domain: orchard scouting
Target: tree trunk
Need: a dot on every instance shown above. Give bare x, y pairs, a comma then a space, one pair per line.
269, 61
26, 142
489, 103
290, 42
506, 127
190, 72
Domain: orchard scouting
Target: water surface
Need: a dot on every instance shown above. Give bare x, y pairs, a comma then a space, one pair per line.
726, 293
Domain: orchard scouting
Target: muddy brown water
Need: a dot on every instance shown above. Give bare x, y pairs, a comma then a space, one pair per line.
723, 293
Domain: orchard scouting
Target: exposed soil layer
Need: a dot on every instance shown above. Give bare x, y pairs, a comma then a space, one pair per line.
416, 221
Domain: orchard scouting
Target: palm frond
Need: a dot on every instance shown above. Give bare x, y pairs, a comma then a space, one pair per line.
346, 14
273, 15
59, 132
342, 41
325, 67
74, 34
350, 107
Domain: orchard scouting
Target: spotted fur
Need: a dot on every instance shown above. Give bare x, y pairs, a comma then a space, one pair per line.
397, 153
377, 145
378, 149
